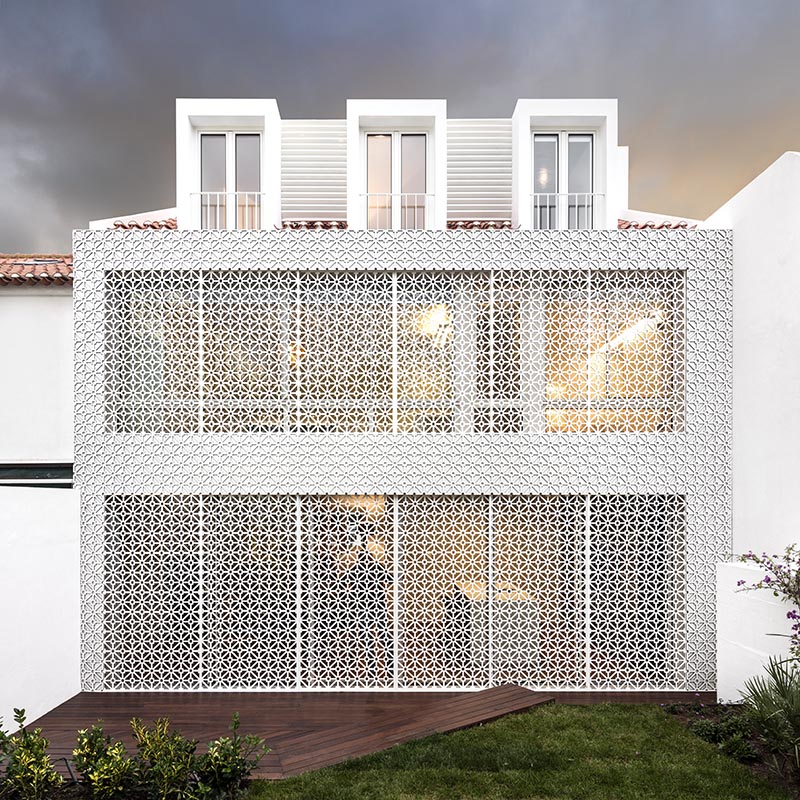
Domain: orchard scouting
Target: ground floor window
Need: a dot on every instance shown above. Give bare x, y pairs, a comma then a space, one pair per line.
410, 591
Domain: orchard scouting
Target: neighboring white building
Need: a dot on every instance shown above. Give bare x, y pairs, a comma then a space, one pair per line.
765, 218
403, 401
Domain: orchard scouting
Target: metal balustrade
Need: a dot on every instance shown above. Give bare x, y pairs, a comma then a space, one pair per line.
212, 209
566, 211
399, 210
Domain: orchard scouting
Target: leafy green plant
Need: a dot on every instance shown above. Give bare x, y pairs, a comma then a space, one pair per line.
731, 723
774, 702
29, 773
105, 768
230, 759
706, 729
166, 761
738, 747
731, 733
5, 740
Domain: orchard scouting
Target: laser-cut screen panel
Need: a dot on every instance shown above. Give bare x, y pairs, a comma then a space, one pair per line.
422, 352
410, 591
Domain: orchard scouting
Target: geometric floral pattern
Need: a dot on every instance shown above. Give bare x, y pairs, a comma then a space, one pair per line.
248, 591
397, 352
518, 443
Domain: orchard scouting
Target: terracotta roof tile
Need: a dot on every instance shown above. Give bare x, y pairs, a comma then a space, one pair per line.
56, 269
485, 224
35, 269
650, 225
170, 224
314, 225
478, 225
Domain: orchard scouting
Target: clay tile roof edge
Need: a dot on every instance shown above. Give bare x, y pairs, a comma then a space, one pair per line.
42, 269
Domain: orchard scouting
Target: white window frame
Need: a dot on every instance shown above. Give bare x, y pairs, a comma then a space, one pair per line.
397, 132
562, 185
412, 116
230, 134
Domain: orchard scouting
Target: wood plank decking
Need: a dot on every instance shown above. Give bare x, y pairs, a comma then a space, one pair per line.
309, 730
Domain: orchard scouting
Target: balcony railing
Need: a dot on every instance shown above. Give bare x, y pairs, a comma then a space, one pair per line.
228, 210
574, 211
399, 210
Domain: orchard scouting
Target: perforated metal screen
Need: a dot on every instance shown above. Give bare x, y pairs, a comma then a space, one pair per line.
245, 591
397, 352
541, 421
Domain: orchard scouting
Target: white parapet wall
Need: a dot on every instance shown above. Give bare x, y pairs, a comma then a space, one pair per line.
39, 582
751, 627
36, 374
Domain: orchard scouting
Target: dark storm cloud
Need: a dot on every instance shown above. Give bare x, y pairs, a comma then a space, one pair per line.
708, 90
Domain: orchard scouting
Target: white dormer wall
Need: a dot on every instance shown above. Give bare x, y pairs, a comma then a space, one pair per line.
429, 116
193, 115
316, 169
598, 116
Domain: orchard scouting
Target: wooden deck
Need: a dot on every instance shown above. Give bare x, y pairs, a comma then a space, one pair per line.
309, 730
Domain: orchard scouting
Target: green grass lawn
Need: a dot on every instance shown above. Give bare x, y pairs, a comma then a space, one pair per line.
612, 752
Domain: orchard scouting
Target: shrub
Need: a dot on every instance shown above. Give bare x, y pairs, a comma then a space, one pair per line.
29, 773
738, 722
739, 748
166, 766
774, 702
229, 760
105, 768
166, 761
706, 729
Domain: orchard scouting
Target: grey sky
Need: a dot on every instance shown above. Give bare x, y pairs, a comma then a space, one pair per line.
709, 90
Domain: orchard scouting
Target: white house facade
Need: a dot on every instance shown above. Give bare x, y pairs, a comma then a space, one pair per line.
399, 454
399, 401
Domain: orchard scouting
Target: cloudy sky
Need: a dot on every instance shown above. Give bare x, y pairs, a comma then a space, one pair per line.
708, 89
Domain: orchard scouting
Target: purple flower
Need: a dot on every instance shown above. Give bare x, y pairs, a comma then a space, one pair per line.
741, 583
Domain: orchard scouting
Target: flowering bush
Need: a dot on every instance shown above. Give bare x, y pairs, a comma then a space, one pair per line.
782, 576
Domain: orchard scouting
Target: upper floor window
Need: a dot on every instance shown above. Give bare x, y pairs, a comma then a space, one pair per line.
563, 194
230, 180
395, 352
397, 180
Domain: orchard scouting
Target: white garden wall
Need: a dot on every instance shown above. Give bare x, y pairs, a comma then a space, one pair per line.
36, 374
746, 626
39, 586
766, 413
766, 356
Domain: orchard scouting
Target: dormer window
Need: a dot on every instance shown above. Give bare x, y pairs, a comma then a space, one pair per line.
230, 180
396, 180
563, 194
396, 164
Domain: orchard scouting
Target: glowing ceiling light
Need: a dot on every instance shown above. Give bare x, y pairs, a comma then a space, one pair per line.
296, 354
436, 323
634, 333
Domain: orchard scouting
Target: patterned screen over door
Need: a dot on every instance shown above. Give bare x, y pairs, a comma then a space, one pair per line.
280, 591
